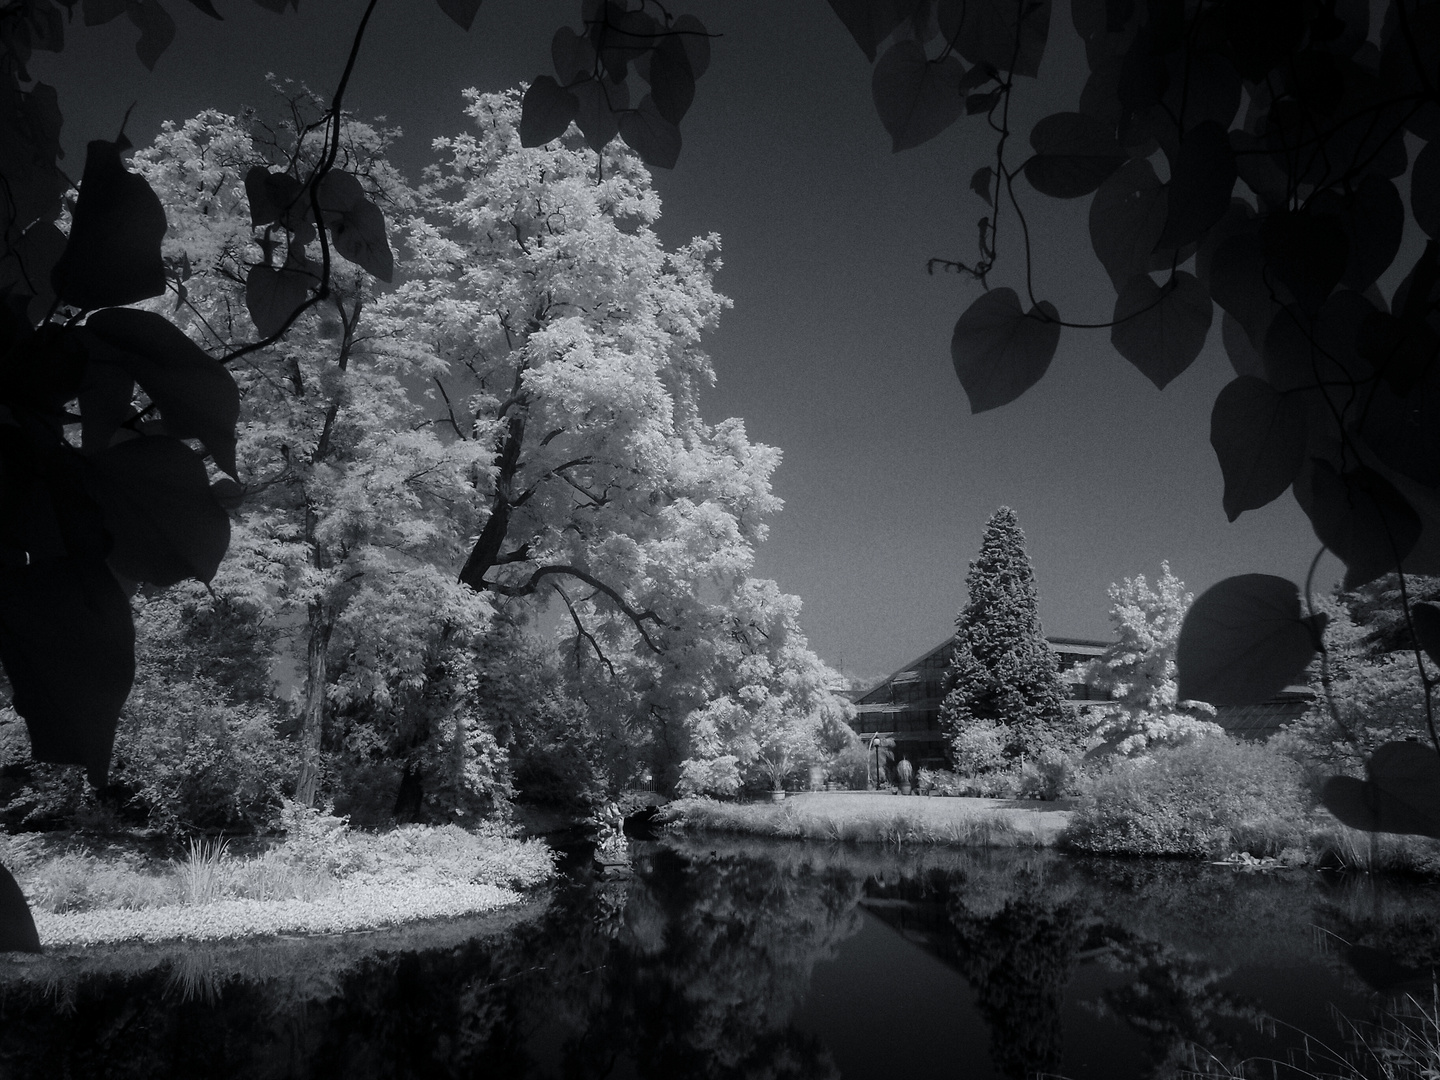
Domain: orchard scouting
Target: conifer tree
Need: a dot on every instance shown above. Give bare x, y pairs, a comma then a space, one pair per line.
1003, 682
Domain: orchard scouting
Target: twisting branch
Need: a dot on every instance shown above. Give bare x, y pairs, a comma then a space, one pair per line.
581, 632
639, 618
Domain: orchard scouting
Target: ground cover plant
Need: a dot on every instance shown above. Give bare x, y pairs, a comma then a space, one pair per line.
339, 876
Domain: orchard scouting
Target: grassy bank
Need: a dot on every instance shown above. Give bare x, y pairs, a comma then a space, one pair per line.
874, 817
323, 878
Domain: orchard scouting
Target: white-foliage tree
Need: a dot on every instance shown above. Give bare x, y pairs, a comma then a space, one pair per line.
354, 512
562, 339
1138, 669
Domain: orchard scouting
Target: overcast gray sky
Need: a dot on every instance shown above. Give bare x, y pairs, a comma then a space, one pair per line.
837, 349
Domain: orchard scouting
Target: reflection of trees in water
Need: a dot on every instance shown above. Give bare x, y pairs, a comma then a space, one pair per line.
1019, 961
716, 959
696, 967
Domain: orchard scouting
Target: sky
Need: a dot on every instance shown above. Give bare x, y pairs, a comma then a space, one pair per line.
837, 350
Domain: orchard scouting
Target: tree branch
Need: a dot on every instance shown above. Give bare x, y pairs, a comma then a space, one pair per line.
639, 618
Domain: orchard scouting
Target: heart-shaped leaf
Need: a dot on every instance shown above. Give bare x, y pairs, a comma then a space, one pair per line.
272, 295
1259, 436
650, 135
1402, 794
1074, 153
547, 111
672, 84
870, 21
999, 350
573, 57
113, 254
356, 224
1360, 516
601, 103
68, 645
159, 511
1200, 184
1243, 641
1127, 216
196, 394
916, 98
985, 32
272, 195
1161, 328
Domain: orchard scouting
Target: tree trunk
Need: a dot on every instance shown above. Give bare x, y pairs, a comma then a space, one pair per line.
312, 720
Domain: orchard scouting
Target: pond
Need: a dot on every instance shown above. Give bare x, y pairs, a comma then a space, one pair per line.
746, 959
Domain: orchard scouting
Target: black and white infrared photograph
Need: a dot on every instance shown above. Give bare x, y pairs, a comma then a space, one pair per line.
720, 539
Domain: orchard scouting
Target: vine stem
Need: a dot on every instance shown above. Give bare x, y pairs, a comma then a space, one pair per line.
1325, 681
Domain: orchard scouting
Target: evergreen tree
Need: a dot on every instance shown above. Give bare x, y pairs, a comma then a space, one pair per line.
1003, 681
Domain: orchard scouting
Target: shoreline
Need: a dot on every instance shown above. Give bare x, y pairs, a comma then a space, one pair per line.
877, 817
352, 908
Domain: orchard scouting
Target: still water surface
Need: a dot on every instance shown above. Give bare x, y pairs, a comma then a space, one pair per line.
730, 959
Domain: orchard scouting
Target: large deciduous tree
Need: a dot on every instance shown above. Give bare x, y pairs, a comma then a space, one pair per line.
1003, 675
355, 510
562, 340
1138, 669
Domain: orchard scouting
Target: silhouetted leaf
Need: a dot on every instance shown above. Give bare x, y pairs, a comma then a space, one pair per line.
106, 401
30, 264
207, 8
1308, 353
572, 55
1403, 431
1243, 641
1360, 516
999, 350
159, 510
99, 12
1425, 616
981, 103
621, 35
68, 646
650, 135
915, 97
1402, 794
1237, 220
1126, 219
272, 295
17, 926
157, 29
1206, 85
1074, 153
870, 21
228, 493
1306, 252
981, 183
984, 32
600, 99
546, 112
1161, 328
1425, 189
1243, 356
672, 86
1373, 223
1259, 437
1237, 284
356, 224
113, 254
194, 392
1259, 170
1200, 184
696, 40
461, 11
272, 195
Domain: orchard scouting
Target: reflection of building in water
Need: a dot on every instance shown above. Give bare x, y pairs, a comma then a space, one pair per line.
906, 706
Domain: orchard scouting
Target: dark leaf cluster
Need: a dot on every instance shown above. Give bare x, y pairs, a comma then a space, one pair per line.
591, 87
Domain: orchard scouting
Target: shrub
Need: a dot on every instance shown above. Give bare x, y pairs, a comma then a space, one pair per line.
1209, 797
1048, 777
978, 748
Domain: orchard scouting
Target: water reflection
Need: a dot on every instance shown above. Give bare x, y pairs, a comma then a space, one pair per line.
748, 960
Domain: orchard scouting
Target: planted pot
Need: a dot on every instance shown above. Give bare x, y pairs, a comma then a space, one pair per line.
777, 796
904, 789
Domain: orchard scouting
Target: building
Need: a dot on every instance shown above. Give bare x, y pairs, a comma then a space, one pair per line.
905, 707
